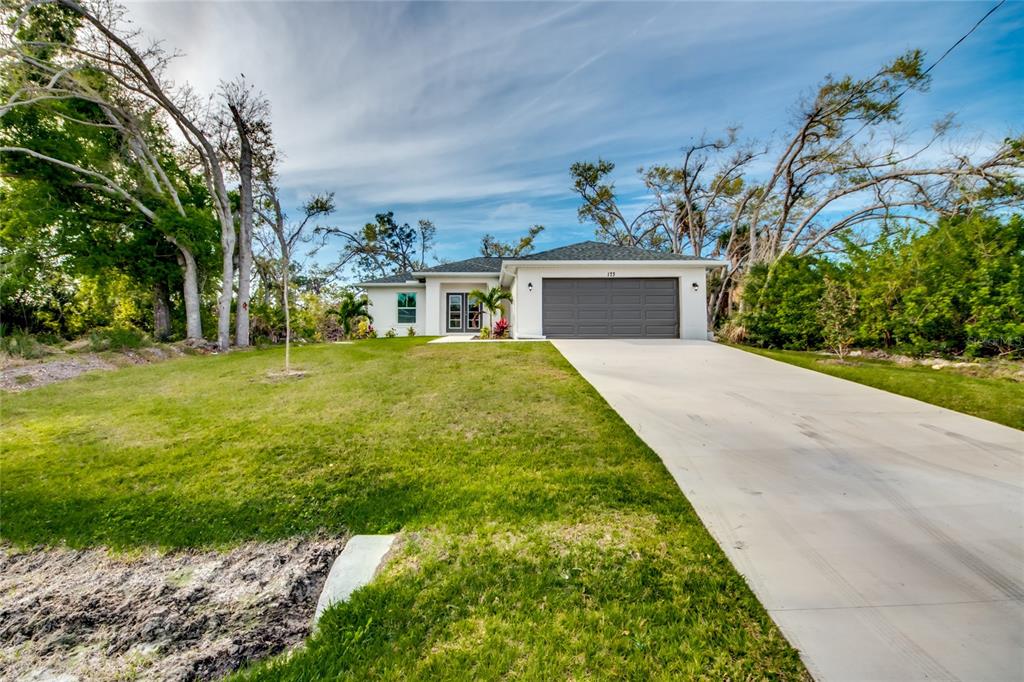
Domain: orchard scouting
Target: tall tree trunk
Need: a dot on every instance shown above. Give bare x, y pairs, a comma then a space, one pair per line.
190, 291
287, 319
244, 231
227, 288
161, 312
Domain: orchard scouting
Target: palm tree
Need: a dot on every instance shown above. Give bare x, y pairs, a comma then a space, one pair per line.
349, 308
491, 300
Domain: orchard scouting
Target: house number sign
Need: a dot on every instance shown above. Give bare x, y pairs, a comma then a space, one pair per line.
611, 274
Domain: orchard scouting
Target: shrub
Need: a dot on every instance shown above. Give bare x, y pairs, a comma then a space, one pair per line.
485, 332
410, 331
22, 345
838, 316
957, 287
390, 334
116, 338
782, 303
364, 330
501, 329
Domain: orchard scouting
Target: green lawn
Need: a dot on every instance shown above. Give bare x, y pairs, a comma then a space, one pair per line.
543, 539
998, 400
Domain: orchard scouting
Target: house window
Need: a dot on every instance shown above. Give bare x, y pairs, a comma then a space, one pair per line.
407, 308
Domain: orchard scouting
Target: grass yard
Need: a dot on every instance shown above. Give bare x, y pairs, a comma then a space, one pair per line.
543, 539
998, 400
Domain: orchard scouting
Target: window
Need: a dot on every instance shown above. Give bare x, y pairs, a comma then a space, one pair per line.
407, 308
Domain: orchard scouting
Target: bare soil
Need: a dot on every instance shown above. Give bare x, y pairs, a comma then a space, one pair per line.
17, 374
90, 615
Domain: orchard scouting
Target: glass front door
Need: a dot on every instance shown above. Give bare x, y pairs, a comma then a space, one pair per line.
474, 315
455, 311
464, 314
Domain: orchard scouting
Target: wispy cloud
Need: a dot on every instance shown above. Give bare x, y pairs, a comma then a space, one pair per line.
471, 113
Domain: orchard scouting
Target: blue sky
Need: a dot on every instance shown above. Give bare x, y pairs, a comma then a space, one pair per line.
470, 114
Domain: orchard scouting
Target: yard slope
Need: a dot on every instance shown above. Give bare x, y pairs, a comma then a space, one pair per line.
542, 538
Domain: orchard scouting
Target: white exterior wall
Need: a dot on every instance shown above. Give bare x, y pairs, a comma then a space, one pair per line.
384, 308
527, 321
433, 302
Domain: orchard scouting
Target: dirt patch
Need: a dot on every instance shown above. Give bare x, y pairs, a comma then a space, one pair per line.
21, 375
88, 615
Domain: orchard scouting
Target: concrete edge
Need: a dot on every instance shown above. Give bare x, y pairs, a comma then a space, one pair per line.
355, 567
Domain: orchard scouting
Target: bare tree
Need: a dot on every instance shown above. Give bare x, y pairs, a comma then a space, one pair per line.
286, 236
244, 131
491, 246
601, 207
383, 247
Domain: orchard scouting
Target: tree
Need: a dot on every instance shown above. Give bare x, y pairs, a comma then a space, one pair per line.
245, 130
286, 236
100, 139
382, 247
102, 45
827, 181
491, 300
838, 316
351, 307
600, 206
490, 246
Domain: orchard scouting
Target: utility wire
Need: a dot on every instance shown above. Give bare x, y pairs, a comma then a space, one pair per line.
928, 70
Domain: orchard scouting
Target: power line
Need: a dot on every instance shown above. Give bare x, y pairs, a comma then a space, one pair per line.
928, 70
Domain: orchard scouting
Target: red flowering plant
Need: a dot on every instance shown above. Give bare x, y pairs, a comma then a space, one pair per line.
500, 329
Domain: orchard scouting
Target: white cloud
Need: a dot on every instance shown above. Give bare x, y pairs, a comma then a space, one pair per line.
471, 113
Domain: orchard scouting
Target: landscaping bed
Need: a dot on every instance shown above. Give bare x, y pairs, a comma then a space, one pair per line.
91, 615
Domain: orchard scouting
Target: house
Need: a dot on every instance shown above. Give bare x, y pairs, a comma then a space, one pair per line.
585, 290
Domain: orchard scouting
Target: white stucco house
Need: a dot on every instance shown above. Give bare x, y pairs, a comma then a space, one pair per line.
585, 290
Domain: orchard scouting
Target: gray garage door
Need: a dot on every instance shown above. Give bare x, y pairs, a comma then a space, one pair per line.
626, 308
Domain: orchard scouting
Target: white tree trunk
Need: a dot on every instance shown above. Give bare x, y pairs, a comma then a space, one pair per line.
190, 293
227, 289
245, 220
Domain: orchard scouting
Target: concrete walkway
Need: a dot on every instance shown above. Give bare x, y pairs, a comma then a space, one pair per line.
884, 535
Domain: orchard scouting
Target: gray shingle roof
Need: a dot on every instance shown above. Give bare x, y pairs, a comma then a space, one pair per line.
582, 251
400, 278
600, 251
479, 264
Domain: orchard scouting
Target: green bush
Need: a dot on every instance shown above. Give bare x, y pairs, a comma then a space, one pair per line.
782, 303
955, 288
116, 338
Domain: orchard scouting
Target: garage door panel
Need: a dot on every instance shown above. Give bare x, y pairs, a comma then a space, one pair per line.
590, 314
590, 285
611, 308
665, 316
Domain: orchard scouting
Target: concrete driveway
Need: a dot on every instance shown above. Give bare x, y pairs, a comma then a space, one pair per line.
884, 535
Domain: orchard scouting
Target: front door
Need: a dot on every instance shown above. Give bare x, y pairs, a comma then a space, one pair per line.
464, 314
